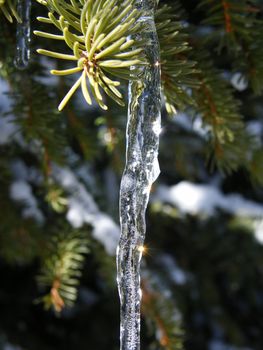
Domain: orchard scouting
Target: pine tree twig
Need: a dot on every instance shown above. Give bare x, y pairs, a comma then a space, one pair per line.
236, 27
61, 269
162, 313
178, 70
100, 48
8, 8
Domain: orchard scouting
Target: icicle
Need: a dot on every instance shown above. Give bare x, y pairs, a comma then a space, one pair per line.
141, 170
23, 33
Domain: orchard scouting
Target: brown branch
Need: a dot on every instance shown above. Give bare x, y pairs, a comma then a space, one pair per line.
56, 299
218, 147
209, 98
228, 23
47, 160
148, 298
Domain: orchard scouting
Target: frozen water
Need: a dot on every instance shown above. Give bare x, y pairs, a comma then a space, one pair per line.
23, 34
141, 169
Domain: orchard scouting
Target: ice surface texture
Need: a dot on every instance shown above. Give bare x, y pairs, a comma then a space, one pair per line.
23, 34
141, 170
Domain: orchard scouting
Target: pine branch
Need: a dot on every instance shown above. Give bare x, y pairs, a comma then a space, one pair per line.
16, 231
163, 314
96, 34
178, 71
56, 197
207, 94
238, 28
33, 105
233, 21
8, 8
61, 269
79, 130
220, 115
255, 166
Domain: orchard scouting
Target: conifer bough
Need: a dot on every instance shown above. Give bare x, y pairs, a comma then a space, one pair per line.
8, 8
97, 33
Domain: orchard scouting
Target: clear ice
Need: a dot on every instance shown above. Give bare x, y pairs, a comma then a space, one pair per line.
141, 170
23, 34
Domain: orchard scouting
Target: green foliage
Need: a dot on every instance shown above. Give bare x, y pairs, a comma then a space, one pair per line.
219, 110
221, 258
191, 80
255, 166
8, 8
16, 231
161, 315
56, 198
189, 77
237, 27
178, 72
198, 58
96, 32
228, 17
61, 268
37, 123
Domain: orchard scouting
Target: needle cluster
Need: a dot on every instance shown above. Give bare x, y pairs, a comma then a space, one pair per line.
8, 8
97, 33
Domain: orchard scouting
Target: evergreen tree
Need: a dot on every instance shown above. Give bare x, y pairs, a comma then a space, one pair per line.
62, 150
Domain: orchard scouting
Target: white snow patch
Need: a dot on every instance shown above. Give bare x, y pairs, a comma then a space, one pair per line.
205, 199
75, 214
255, 127
259, 230
21, 191
106, 229
7, 126
84, 172
8, 130
83, 209
21, 171
5, 101
196, 125
199, 127
239, 82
